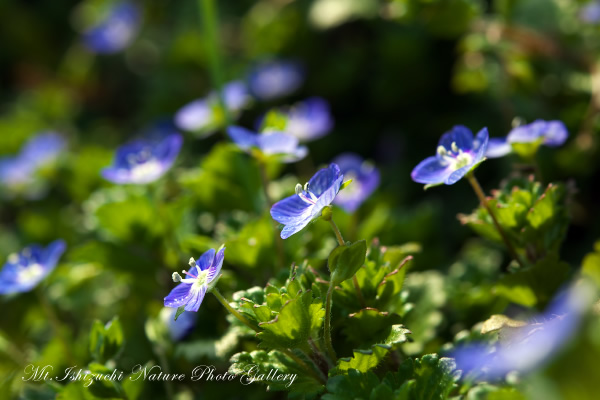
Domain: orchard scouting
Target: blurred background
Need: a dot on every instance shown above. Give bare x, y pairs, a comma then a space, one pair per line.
396, 74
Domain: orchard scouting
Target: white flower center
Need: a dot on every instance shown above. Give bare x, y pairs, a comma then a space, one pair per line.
454, 157
306, 195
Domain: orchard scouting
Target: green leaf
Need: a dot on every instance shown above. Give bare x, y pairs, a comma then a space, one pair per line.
344, 261
258, 366
429, 377
352, 386
180, 310
369, 326
591, 265
535, 285
297, 320
362, 360
106, 341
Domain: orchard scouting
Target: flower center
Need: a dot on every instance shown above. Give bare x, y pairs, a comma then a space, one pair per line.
30, 272
454, 157
306, 195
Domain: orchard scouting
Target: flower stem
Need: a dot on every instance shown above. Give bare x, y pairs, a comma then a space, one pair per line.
234, 312
320, 376
208, 15
341, 242
327, 328
479, 192
55, 323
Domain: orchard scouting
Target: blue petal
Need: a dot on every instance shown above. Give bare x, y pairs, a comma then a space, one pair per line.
179, 295
365, 181
455, 176
289, 209
327, 196
244, 138
51, 254
235, 95
324, 179
43, 148
277, 143
116, 31
183, 326
431, 171
461, 135
527, 133
206, 259
275, 79
297, 225
197, 295
215, 268
555, 134
168, 149
194, 116
310, 119
498, 147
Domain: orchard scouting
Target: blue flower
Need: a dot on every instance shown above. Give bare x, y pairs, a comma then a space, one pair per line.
115, 30
296, 211
205, 116
180, 328
309, 120
365, 179
202, 277
22, 272
457, 153
275, 79
279, 144
18, 174
550, 133
145, 160
531, 345
590, 12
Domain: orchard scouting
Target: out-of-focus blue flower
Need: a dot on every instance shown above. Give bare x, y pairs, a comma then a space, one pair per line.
296, 211
590, 12
19, 174
115, 30
205, 115
365, 179
202, 277
309, 120
23, 271
145, 160
275, 79
550, 133
180, 328
457, 153
279, 144
532, 345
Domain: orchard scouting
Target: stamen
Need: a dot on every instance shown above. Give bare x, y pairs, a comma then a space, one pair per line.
188, 274
298, 189
306, 187
442, 152
192, 262
454, 147
176, 277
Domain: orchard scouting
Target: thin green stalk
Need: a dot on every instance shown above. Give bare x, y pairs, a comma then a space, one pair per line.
210, 23
479, 192
55, 323
234, 312
164, 363
327, 328
341, 242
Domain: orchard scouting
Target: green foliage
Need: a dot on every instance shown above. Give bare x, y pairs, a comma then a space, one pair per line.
344, 261
106, 341
429, 377
534, 218
591, 265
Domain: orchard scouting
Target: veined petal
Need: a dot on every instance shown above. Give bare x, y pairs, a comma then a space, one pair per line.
327, 196
498, 147
196, 296
455, 176
297, 225
206, 260
244, 138
215, 268
431, 171
179, 295
289, 209
323, 179
461, 135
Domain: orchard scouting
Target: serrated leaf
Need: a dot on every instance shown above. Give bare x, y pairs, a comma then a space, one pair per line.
370, 326
260, 366
431, 377
106, 341
293, 326
362, 360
